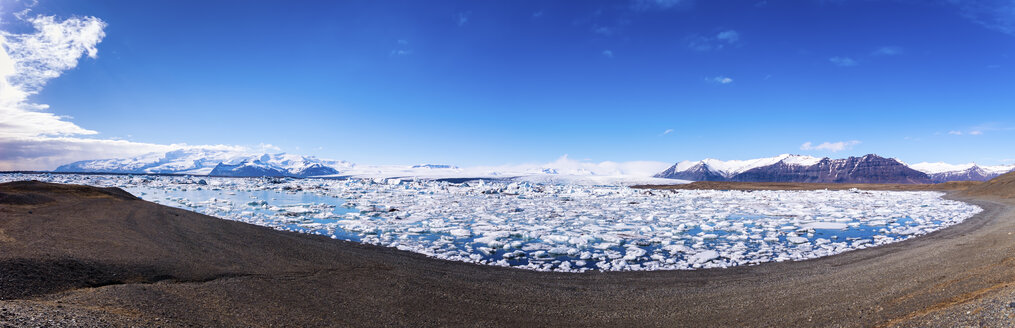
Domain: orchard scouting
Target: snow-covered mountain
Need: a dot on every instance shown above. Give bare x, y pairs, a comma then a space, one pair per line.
213, 162
943, 172
184, 161
796, 168
711, 169
786, 167
231, 163
279, 165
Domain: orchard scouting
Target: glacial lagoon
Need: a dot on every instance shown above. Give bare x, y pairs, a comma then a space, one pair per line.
557, 227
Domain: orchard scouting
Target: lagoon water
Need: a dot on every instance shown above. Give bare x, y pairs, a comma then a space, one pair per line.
291, 210
559, 227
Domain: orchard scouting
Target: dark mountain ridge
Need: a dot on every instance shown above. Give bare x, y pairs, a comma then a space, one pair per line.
865, 169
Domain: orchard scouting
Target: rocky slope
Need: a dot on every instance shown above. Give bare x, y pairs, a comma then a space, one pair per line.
1002, 186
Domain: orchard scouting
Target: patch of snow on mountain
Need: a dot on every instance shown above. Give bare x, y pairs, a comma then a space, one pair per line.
999, 169
941, 167
734, 167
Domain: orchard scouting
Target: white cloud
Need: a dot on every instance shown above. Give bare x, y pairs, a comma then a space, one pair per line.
567, 166
401, 48
608, 53
45, 153
463, 18
643, 5
604, 30
28, 61
998, 15
887, 51
31, 138
843, 61
990, 127
830, 146
699, 43
668, 131
266, 147
955, 133
722, 40
730, 36
720, 80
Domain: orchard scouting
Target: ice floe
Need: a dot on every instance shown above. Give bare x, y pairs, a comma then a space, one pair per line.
557, 227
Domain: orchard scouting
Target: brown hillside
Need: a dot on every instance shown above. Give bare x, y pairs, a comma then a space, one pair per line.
1002, 186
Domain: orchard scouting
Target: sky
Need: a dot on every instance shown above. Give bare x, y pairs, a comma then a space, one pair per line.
492, 82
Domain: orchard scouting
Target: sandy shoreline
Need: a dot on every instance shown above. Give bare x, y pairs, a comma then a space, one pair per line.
155, 265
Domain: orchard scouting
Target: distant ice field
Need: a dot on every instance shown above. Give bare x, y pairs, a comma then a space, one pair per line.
558, 227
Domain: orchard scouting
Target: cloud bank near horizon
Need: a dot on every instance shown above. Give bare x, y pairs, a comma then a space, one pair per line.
830, 146
31, 136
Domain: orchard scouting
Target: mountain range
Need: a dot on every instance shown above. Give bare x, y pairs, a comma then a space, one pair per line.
782, 168
212, 162
233, 163
798, 168
943, 172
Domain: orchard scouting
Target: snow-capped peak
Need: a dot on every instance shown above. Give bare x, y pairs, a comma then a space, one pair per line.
734, 167
941, 167
199, 161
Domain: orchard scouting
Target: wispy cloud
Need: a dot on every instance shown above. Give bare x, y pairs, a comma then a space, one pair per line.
982, 129
644, 5
719, 41
830, 146
720, 80
887, 51
463, 18
998, 15
843, 61
730, 36
608, 53
699, 43
401, 48
538, 14
668, 131
604, 30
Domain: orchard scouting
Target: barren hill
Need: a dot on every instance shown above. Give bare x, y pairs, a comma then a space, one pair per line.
1002, 186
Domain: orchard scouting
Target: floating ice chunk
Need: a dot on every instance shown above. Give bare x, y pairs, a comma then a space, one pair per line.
605, 227
703, 257
824, 225
796, 239
633, 253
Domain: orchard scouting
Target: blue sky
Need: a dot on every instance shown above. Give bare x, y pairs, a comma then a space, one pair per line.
494, 82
